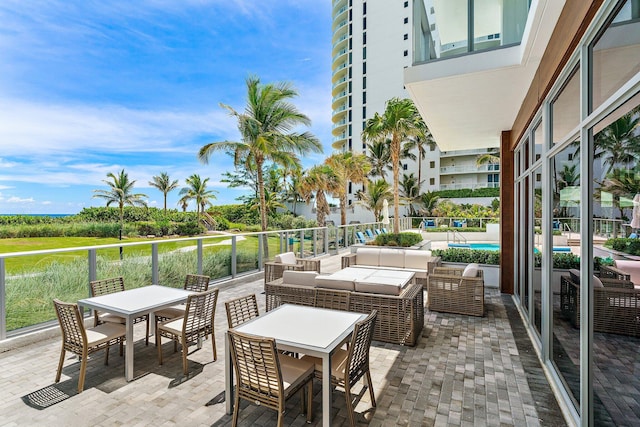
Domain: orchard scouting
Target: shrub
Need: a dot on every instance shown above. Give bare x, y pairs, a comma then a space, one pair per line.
222, 223
468, 256
402, 239
623, 244
190, 228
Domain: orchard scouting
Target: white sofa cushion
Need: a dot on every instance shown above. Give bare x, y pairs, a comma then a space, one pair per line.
334, 283
380, 285
286, 258
368, 256
301, 278
471, 270
392, 258
416, 259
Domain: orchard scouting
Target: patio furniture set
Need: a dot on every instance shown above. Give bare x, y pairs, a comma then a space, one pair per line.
616, 301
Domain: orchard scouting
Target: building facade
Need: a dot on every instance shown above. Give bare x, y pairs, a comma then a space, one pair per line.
557, 84
372, 44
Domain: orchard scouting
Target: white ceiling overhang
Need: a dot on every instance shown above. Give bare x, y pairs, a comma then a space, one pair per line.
469, 100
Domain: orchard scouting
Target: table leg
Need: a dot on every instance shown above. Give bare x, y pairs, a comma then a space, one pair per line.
326, 390
129, 344
228, 375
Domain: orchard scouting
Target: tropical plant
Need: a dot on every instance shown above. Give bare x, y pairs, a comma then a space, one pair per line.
120, 193
618, 143
621, 183
421, 140
374, 196
266, 130
410, 191
320, 180
163, 183
429, 201
398, 122
347, 167
491, 157
196, 189
378, 153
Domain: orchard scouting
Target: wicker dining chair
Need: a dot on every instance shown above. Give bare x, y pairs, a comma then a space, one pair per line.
192, 283
333, 299
109, 286
83, 342
239, 310
197, 323
348, 366
266, 377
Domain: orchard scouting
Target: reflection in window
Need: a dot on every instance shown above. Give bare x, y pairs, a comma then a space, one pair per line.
565, 109
616, 209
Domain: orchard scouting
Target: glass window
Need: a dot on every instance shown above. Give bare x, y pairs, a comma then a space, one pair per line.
432, 165
565, 109
432, 181
616, 177
565, 221
538, 140
615, 54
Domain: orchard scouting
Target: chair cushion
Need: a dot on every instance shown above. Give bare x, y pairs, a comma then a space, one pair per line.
171, 312
112, 318
286, 258
294, 371
334, 283
338, 363
300, 278
391, 258
416, 259
575, 275
471, 270
173, 326
103, 333
368, 256
596, 283
630, 267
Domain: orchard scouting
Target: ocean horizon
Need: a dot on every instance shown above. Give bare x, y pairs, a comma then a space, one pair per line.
36, 214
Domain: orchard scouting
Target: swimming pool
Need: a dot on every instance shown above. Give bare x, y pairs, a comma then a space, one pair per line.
479, 246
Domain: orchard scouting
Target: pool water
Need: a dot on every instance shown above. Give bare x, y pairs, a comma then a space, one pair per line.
479, 246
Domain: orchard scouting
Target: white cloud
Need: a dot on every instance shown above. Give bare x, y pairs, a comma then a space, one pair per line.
20, 200
30, 128
5, 187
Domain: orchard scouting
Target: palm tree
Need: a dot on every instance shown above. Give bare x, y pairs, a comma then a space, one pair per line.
429, 201
421, 141
320, 180
621, 183
398, 122
120, 193
618, 143
410, 191
379, 158
491, 157
374, 196
165, 185
196, 189
266, 129
347, 167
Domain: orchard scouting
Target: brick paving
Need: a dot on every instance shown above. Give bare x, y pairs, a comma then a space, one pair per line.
465, 371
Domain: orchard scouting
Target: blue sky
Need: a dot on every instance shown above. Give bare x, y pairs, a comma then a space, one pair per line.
91, 87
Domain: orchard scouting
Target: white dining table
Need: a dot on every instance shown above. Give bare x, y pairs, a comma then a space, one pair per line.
134, 303
309, 330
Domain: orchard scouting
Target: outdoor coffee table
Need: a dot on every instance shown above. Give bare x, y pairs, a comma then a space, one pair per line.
134, 303
309, 330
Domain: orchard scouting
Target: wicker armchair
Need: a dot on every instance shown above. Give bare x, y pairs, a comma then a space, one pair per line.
83, 342
197, 323
288, 261
109, 286
193, 283
266, 377
348, 366
450, 291
239, 310
616, 305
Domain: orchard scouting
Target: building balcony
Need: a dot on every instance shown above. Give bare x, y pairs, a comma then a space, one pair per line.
469, 169
478, 74
341, 24
342, 39
338, 55
339, 83
459, 153
472, 186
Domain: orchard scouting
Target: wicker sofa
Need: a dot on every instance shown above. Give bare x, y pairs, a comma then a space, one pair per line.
419, 262
400, 317
456, 290
616, 304
288, 261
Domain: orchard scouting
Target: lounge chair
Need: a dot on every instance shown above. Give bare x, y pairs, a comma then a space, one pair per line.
360, 237
370, 234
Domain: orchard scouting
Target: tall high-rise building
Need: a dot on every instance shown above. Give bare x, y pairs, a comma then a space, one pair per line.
372, 45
